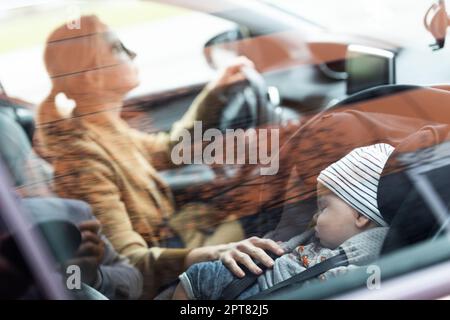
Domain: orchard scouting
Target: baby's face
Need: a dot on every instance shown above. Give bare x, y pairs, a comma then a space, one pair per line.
336, 220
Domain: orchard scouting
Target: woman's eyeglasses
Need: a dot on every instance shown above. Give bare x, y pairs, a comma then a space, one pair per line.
119, 47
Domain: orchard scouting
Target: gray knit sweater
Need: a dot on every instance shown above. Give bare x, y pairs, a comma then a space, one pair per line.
361, 249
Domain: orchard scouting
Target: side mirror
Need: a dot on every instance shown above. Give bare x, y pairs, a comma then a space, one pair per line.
223, 47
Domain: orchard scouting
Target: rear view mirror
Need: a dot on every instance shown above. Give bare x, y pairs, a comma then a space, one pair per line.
223, 48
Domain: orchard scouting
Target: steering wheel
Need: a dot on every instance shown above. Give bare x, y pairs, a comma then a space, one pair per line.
247, 103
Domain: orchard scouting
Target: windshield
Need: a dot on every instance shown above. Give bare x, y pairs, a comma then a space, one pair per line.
21, 51
392, 20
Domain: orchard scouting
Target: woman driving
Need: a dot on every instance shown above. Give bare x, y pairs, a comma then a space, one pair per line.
98, 158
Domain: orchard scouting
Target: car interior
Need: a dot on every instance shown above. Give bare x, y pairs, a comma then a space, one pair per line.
347, 73
352, 281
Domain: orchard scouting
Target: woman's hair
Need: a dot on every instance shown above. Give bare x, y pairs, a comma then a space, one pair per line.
69, 54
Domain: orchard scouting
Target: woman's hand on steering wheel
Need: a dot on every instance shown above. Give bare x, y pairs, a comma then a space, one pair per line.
232, 73
243, 91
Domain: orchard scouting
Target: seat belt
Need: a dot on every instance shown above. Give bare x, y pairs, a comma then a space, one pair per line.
235, 288
339, 260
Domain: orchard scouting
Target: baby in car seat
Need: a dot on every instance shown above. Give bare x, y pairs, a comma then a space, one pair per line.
348, 220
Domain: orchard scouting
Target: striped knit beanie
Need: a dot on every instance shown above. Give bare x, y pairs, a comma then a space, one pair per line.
355, 179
